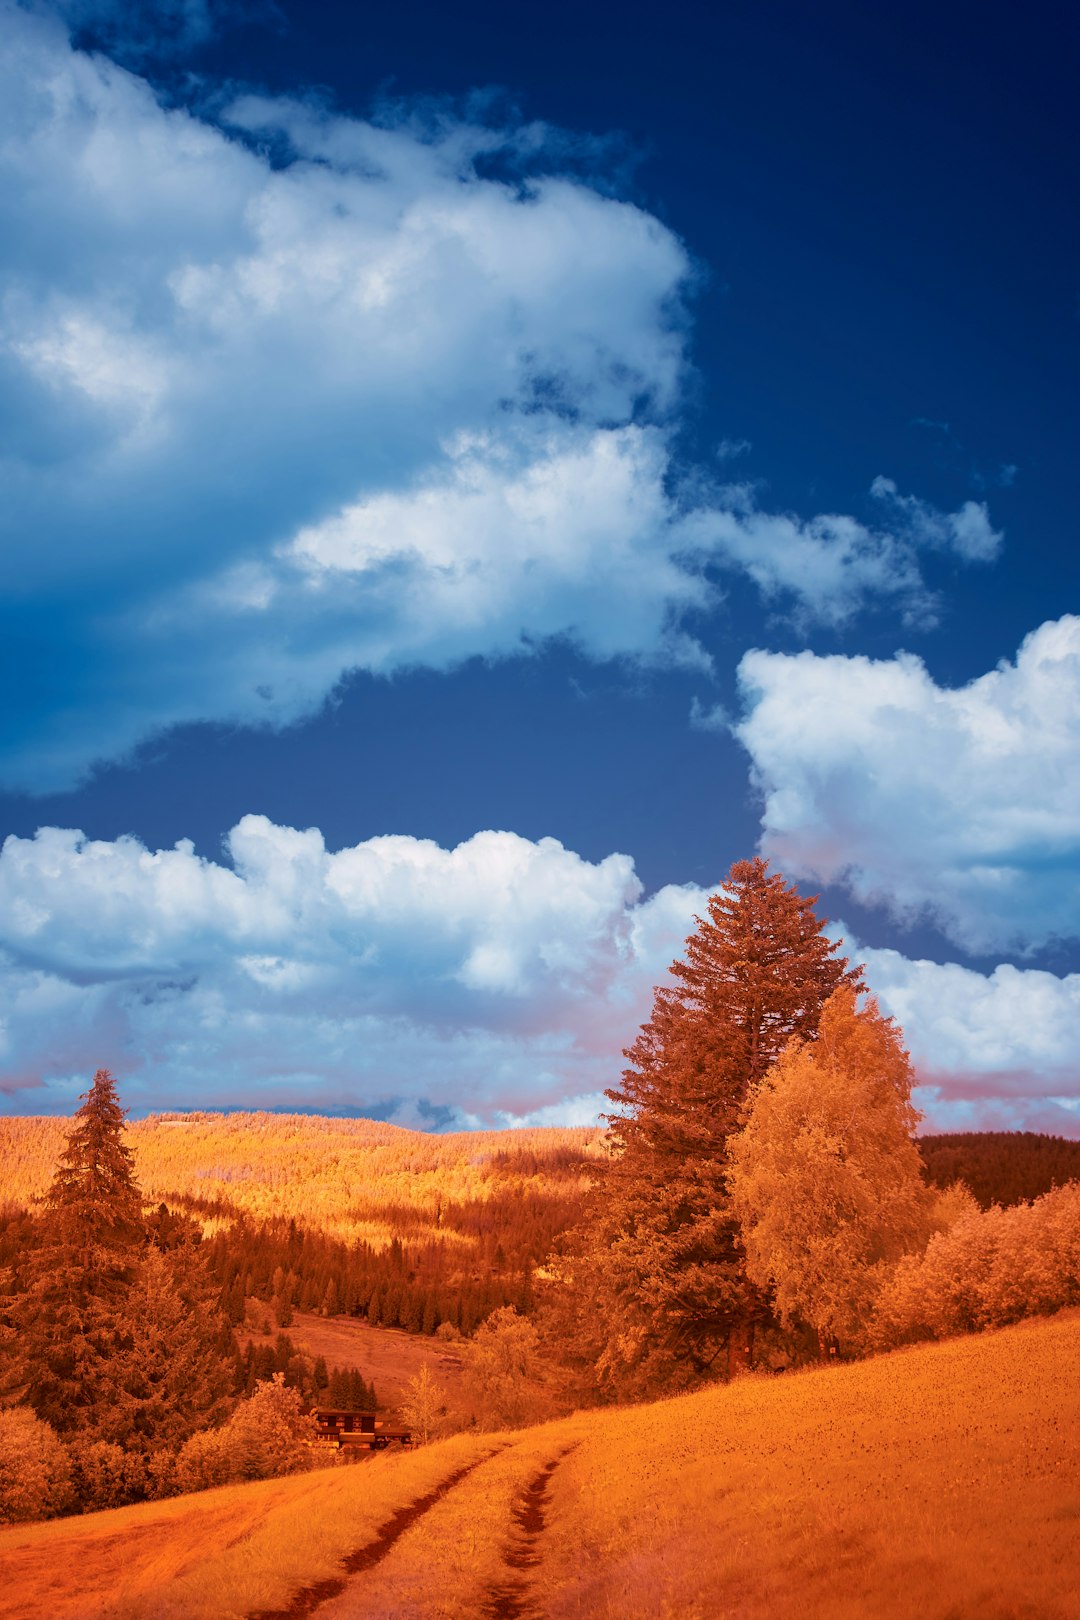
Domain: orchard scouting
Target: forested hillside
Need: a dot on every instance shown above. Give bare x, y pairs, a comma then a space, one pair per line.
342, 1216
1001, 1167
355, 1179
407, 1229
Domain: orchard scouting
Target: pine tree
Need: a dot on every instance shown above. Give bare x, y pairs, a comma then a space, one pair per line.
94, 1202
71, 1322
120, 1341
663, 1262
174, 1373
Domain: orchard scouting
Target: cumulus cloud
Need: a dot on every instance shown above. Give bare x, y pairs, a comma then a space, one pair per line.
997, 1051
499, 979
493, 983
290, 393
961, 805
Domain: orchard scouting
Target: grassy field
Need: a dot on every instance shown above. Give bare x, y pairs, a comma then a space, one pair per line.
940, 1482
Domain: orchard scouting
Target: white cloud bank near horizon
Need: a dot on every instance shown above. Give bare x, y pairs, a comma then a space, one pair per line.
495, 983
292, 393
496, 979
958, 805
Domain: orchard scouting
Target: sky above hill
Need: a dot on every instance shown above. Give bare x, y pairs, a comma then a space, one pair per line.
471, 474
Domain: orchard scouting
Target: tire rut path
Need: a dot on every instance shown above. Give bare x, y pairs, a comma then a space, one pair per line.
515, 1597
310, 1598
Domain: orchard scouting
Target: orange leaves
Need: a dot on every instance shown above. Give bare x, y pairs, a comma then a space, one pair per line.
825, 1177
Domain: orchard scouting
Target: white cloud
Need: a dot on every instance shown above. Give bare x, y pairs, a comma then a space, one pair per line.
961, 805
509, 543
499, 979
826, 569
997, 1051
495, 983
967, 532
294, 393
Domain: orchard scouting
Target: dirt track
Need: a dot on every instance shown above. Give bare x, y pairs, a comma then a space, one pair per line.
466, 1552
513, 1599
311, 1598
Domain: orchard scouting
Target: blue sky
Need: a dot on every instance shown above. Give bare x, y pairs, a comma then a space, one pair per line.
471, 475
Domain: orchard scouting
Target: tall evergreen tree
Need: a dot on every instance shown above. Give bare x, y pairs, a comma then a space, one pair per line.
71, 1324
119, 1337
663, 1261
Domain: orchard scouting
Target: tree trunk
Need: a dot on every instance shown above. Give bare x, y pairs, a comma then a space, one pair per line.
740, 1348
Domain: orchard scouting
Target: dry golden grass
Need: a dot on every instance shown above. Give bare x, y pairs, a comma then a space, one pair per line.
939, 1482
216, 1555
935, 1482
329, 1173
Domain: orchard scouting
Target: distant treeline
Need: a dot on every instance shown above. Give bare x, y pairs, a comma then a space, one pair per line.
486, 1260
344, 1389
488, 1248
1001, 1167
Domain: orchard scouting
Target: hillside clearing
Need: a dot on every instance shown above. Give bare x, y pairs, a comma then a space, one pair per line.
387, 1357
935, 1482
938, 1482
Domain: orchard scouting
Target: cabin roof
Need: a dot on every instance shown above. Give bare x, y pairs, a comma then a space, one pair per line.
339, 1411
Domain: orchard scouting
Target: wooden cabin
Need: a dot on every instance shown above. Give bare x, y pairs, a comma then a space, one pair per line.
339, 1429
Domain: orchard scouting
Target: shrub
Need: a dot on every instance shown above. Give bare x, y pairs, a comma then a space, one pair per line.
105, 1475
35, 1470
502, 1370
267, 1435
204, 1461
990, 1268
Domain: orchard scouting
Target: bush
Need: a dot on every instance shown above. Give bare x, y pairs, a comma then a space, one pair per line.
992, 1267
204, 1461
105, 1475
502, 1370
267, 1435
35, 1470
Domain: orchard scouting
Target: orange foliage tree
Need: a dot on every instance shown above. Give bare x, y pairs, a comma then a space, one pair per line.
825, 1177
662, 1261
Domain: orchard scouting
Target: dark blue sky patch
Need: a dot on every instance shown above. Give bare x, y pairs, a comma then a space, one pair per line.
413, 417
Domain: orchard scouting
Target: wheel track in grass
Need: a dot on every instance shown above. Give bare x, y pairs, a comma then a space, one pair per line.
310, 1598
515, 1597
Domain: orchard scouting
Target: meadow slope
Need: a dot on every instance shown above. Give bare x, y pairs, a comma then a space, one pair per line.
939, 1482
